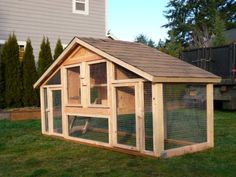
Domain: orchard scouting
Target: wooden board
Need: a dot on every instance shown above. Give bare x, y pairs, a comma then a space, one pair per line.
87, 111
80, 55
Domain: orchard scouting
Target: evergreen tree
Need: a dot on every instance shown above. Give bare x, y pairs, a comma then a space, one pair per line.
45, 56
2, 76
219, 27
170, 46
13, 80
30, 97
192, 22
58, 49
141, 38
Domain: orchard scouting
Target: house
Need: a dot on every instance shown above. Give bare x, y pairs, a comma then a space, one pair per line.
127, 97
54, 19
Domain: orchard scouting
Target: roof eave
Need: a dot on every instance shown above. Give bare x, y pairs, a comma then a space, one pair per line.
187, 79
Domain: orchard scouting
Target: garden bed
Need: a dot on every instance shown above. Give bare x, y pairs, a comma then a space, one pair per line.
20, 113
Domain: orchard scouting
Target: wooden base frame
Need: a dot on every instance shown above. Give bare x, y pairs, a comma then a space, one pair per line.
164, 154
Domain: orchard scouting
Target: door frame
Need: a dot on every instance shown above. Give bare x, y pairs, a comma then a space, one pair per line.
50, 110
114, 115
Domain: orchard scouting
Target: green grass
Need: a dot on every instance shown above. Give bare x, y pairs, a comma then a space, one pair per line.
24, 152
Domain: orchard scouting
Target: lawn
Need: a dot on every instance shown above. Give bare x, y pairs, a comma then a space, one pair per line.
24, 152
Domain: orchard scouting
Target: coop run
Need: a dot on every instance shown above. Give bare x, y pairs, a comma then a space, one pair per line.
127, 97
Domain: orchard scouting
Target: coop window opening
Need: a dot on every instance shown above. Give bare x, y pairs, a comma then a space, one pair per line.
121, 73
55, 79
73, 85
91, 129
98, 95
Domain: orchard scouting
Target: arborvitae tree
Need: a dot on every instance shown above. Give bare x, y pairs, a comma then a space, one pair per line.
219, 28
13, 80
58, 49
45, 56
2, 76
30, 97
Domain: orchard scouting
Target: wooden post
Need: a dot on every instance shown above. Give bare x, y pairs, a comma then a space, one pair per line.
85, 84
141, 123
158, 118
210, 115
50, 114
42, 110
63, 101
110, 78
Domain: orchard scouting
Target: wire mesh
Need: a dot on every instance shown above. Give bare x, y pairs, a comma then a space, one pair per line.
122, 73
57, 115
56, 79
45, 97
185, 114
98, 83
89, 128
126, 117
73, 85
148, 122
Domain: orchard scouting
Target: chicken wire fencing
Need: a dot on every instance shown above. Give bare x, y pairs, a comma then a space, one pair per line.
126, 115
89, 128
148, 118
185, 115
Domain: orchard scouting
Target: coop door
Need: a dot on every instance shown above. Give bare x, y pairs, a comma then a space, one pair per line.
126, 117
55, 110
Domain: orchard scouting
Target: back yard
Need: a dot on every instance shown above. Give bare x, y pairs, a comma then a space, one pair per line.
24, 152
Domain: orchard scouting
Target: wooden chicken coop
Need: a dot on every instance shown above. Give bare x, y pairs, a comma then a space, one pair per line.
127, 97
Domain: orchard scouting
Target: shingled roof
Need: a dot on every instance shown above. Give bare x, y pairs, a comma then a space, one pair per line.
147, 60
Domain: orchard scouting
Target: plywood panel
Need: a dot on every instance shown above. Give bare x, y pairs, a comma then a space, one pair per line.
126, 101
81, 54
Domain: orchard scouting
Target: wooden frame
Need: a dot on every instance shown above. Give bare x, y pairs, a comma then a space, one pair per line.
109, 111
158, 118
109, 144
65, 73
115, 143
50, 105
210, 115
89, 84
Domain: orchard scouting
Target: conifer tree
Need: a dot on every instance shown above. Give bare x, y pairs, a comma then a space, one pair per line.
13, 80
219, 28
45, 56
58, 49
2, 77
30, 97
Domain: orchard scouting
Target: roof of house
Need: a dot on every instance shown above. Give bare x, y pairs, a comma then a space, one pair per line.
148, 62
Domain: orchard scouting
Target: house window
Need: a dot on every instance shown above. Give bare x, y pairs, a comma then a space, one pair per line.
73, 85
98, 83
80, 6
21, 45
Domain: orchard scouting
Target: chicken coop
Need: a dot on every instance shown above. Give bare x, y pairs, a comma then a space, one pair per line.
127, 97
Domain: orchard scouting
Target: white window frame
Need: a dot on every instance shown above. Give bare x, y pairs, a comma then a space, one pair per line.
20, 43
83, 12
